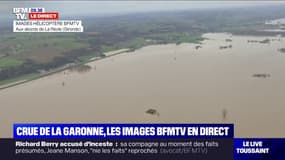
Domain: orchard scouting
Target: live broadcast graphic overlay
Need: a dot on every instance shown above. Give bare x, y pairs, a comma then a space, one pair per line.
137, 141
259, 148
37, 19
122, 141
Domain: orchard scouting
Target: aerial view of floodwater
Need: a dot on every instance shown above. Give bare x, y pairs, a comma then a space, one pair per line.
225, 79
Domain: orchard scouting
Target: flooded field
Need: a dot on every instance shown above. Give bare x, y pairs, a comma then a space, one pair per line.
226, 79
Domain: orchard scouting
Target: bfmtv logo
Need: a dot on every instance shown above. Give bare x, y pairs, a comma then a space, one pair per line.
22, 13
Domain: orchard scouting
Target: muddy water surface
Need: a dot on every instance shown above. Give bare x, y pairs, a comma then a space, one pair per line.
182, 83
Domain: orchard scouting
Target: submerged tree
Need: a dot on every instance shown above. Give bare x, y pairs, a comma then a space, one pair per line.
224, 115
152, 112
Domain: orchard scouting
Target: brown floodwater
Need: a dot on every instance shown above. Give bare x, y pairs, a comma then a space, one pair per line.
180, 83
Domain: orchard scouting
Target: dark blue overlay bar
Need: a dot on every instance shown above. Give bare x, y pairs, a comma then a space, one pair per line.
259, 148
123, 131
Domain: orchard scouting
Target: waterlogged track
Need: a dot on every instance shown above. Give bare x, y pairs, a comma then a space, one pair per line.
184, 83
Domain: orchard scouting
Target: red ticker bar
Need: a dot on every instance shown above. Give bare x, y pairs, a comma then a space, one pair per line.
44, 16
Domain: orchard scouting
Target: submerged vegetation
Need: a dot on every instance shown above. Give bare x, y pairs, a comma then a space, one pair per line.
80, 68
152, 112
265, 41
226, 47
261, 75
282, 50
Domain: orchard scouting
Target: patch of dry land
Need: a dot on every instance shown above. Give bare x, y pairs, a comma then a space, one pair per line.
180, 82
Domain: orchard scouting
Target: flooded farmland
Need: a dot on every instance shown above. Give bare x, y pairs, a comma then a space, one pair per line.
227, 79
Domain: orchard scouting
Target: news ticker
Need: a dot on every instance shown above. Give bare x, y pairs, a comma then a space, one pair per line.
137, 141
37, 19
